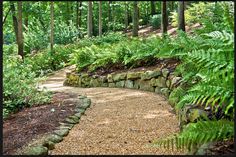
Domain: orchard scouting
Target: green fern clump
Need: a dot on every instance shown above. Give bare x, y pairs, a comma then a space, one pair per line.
196, 134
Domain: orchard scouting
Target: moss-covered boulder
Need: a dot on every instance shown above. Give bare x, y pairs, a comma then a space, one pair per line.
165, 92
95, 82
150, 74
120, 84
104, 85
134, 75
168, 83
109, 78
49, 144
145, 85
175, 82
137, 84
129, 84
158, 90
37, 150
61, 132
111, 85
54, 138
119, 77
165, 72
159, 82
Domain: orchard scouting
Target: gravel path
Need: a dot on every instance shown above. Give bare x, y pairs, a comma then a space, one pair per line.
119, 121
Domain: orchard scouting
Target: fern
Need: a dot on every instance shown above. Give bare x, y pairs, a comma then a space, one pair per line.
196, 134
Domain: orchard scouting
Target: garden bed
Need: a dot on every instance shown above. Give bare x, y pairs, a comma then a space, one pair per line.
22, 127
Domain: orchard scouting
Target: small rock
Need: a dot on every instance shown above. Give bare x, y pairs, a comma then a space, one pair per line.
37, 150
120, 84
118, 77
129, 84
49, 144
175, 81
109, 78
165, 72
111, 85
62, 132
134, 75
54, 138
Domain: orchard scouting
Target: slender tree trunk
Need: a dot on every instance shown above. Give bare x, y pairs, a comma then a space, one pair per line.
100, 18
90, 19
164, 19
153, 8
80, 14
126, 16
109, 11
77, 14
181, 20
15, 22
20, 31
52, 26
135, 19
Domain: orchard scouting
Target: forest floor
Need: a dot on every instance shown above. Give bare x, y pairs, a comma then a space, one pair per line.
148, 30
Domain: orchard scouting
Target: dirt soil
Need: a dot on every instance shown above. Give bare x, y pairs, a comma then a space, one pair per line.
26, 125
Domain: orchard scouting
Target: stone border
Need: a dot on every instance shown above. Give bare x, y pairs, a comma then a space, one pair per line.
82, 103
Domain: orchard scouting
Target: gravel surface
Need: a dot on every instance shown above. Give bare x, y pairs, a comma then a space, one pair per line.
119, 121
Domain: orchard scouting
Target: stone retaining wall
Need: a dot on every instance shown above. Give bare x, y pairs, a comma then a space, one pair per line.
160, 81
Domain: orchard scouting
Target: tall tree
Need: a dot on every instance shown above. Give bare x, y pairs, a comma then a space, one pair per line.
20, 30
153, 8
100, 18
164, 19
14, 19
135, 19
126, 16
52, 26
90, 20
181, 19
78, 14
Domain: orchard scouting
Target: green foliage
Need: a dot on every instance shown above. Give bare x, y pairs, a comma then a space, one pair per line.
20, 85
196, 134
155, 21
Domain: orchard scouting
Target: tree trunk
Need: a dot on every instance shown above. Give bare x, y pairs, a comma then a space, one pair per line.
153, 9
181, 20
90, 19
20, 31
80, 14
100, 18
15, 22
135, 19
164, 19
77, 14
126, 16
52, 26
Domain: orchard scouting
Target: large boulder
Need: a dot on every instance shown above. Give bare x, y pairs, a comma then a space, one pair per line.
119, 77
134, 75
145, 85
159, 82
150, 74
120, 84
129, 84
37, 150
